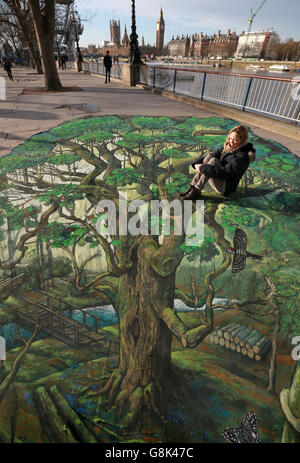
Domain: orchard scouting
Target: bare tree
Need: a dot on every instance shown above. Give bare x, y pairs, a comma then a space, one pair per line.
229, 49
11, 32
43, 14
16, 14
290, 49
273, 51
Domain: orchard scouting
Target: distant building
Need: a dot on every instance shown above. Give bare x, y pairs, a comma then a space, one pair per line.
115, 32
125, 38
201, 46
117, 47
179, 46
160, 31
224, 45
256, 44
92, 49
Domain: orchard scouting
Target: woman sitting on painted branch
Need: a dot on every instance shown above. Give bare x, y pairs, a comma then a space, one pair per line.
225, 167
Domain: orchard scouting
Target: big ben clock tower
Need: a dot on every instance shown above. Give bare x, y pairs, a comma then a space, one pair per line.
160, 31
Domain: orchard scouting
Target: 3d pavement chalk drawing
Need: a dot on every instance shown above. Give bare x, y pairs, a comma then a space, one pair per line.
144, 338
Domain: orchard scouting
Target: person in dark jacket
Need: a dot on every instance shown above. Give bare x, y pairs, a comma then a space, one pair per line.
7, 68
107, 64
225, 167
63, 62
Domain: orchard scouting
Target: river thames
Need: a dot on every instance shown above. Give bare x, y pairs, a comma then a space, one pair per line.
233, 70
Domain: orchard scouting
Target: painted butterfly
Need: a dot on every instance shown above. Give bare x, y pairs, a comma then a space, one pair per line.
245, 432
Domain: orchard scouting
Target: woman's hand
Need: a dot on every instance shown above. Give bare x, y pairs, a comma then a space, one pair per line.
197, 167
251, 156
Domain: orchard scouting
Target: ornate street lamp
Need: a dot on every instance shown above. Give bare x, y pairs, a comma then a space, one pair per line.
134, 54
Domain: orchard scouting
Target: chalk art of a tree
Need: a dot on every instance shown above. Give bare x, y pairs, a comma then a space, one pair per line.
66, 172
98, 157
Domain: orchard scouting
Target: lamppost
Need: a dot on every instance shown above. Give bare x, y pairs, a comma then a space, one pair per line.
134, 54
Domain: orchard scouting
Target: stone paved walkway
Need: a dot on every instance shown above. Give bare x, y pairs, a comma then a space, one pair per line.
24, 115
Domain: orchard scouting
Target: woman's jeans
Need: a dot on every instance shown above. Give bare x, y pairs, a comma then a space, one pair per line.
199, 180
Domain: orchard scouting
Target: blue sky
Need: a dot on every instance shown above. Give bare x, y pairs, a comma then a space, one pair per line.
189, 17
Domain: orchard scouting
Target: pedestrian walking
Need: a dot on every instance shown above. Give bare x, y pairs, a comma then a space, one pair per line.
7, 68
107, 64
63, 62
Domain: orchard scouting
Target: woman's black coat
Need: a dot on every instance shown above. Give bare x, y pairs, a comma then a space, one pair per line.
233, 164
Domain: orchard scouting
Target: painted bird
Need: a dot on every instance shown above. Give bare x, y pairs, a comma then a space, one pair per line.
240, 252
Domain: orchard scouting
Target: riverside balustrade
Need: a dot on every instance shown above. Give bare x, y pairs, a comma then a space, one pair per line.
275, 97
97, 68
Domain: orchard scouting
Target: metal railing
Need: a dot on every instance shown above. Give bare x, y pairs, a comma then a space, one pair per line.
71, 65
97, 68
270, 96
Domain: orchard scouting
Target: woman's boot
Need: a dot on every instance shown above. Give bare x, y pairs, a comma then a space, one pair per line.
183, 193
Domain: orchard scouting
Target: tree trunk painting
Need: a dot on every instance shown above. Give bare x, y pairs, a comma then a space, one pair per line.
145, 376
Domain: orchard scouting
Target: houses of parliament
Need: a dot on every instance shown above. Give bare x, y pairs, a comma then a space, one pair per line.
196, 45
120, 45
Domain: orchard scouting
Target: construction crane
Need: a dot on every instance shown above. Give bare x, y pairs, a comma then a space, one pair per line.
250, 20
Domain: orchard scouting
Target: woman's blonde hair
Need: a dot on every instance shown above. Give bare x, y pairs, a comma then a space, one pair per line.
243, 134
241, 131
